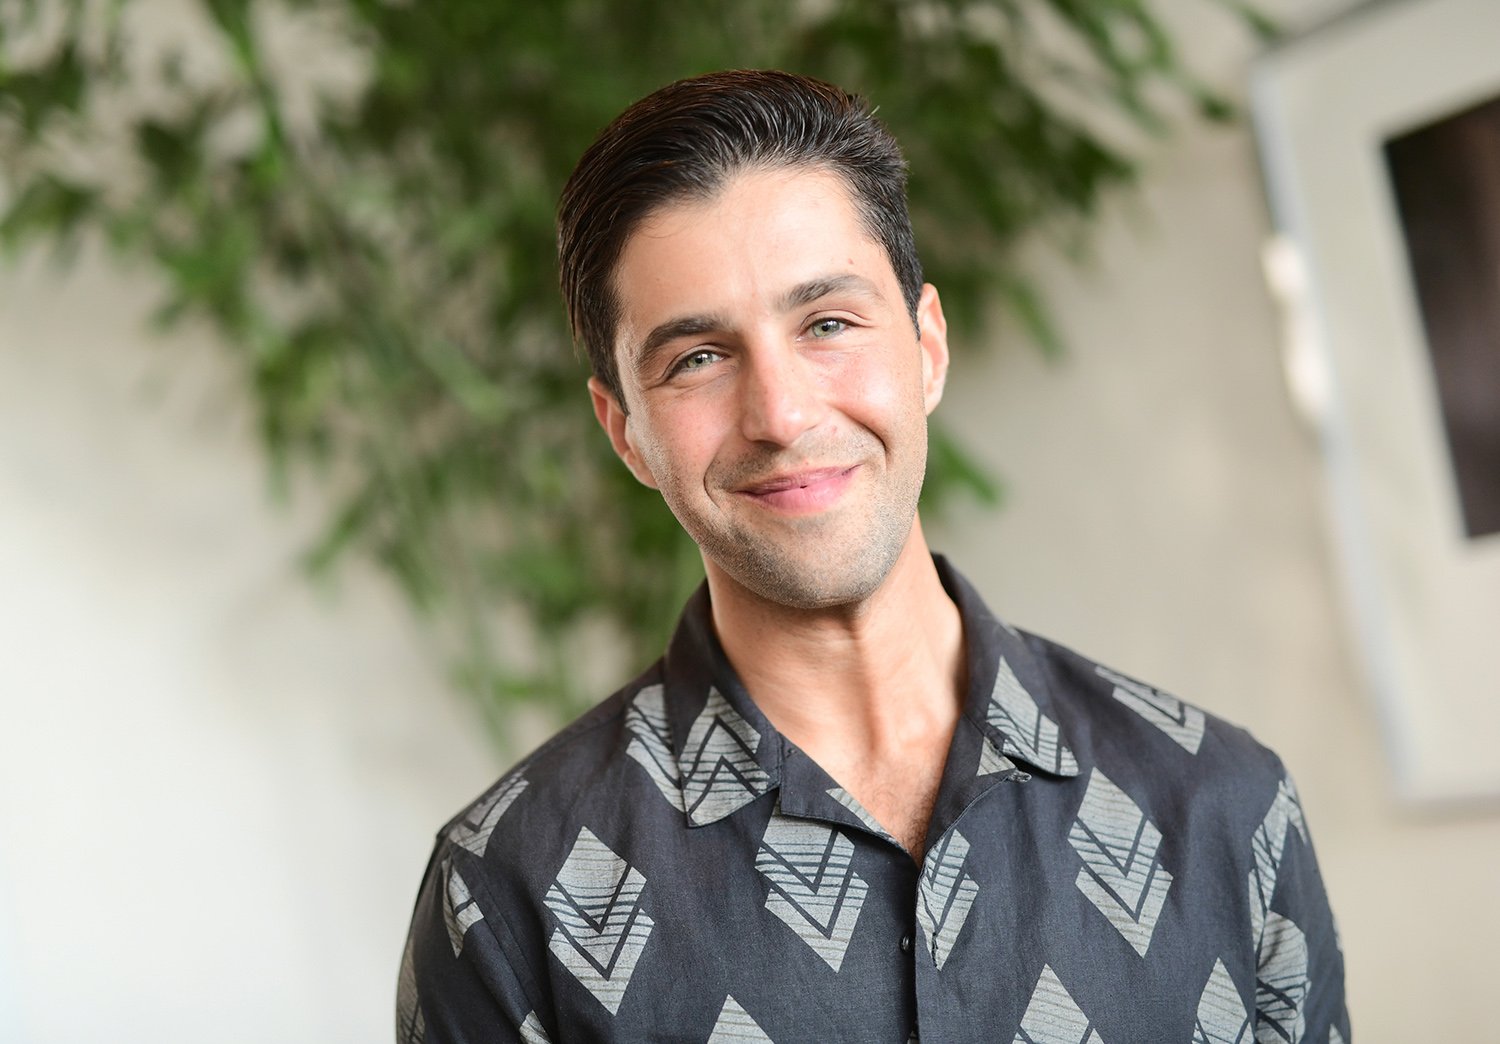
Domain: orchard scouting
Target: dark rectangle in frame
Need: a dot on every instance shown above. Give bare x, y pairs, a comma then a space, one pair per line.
1446, 179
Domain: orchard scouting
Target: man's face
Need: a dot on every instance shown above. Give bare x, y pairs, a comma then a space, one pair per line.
777, 390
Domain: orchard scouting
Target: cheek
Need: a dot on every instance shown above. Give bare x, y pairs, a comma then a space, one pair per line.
677, 443
882, 391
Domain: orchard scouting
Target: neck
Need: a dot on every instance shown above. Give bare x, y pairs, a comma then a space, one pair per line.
855, 682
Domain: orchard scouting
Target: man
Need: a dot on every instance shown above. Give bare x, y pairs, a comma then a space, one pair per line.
848, 804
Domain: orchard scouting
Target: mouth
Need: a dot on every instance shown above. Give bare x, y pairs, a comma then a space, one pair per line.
800, 492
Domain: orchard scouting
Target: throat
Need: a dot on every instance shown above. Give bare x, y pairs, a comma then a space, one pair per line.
900, 794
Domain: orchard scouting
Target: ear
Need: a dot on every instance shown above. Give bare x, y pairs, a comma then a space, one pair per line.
616, 424
933, 337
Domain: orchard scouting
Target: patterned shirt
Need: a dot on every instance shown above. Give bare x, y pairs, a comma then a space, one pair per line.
1104, 864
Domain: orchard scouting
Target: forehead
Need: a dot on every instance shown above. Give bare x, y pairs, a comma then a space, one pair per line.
762, 195
761, 232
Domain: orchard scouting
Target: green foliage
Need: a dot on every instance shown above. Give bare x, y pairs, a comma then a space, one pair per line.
381, 258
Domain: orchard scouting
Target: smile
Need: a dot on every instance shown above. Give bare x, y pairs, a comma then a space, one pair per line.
801, 492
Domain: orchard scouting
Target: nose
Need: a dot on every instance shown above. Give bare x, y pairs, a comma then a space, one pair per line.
780, 396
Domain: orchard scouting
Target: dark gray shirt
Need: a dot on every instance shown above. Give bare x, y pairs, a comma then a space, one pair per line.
1105, 864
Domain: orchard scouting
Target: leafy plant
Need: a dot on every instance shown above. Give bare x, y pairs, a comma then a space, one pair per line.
369, 226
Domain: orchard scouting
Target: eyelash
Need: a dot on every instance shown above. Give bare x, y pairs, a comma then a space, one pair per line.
681, 365
843, 324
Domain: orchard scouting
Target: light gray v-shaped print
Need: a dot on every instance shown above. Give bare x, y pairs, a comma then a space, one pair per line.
474, 829
1183, 723
945, 895
1268, 847
735, 1026
1053, 1017
991, 761
601, 927
1121, 874
1221, 1018
1281, 983
651, 742
813, 888
1028, 733
532, 1031
719, 772
411, 1026
460, 911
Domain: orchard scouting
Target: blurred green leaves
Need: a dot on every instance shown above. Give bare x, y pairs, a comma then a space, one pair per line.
380, 256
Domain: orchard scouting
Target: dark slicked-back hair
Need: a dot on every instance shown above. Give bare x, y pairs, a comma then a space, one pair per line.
687, 139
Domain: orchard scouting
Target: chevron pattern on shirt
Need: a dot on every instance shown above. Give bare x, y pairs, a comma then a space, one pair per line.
1121, 874
1281, 983
532, 1031
991, 760
1052, 1017
411, 1027
1222, 1018
460, 911
813, 887
945, 895
474, 829
735, 1026
1026, 732
601, 926
1267, 846
717, 766
1184, 724
651, 742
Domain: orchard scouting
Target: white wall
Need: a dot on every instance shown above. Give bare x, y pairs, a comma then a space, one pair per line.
1167, 517
218, 785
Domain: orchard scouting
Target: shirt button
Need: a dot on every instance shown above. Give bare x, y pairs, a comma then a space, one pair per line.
906, 944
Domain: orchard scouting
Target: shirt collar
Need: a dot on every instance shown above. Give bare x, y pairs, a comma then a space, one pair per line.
1010, 689
728, 754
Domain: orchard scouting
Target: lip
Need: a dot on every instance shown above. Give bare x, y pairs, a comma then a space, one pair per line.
800, 492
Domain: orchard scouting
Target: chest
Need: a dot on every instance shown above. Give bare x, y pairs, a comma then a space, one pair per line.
899, 793
808, 927
897, 785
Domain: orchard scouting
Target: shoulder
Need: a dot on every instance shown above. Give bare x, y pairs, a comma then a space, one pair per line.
526, 822
1165, 785
1151, 742
495, 866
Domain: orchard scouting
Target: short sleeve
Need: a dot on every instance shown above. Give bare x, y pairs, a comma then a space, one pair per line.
457, 985
1299, 982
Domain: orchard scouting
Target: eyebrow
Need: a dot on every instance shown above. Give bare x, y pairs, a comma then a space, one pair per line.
802, 294
814, 289
671, 330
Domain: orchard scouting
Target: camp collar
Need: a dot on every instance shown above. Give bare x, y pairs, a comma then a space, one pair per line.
728, 753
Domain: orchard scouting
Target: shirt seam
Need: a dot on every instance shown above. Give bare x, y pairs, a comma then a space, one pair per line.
527, 979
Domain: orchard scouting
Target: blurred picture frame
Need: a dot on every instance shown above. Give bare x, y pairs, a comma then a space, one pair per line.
1379, 135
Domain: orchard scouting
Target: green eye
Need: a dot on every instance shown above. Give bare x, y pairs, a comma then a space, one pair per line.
697, 360
826, 327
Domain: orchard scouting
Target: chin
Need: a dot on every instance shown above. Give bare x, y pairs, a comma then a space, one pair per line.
796, 582
817, 563
799, 595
